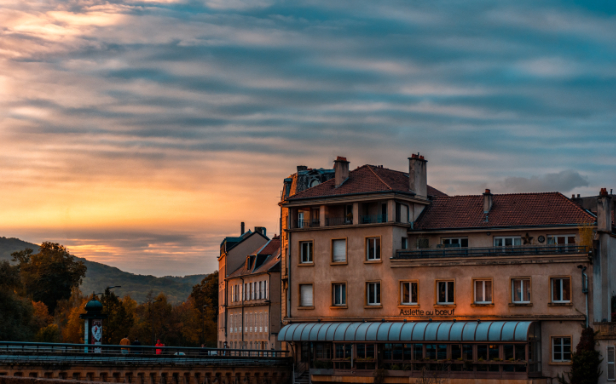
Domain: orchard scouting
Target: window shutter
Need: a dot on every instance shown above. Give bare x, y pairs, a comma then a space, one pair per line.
611, 373
339, 248
306, 296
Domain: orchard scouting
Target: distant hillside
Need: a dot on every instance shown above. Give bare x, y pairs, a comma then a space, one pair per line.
100, 275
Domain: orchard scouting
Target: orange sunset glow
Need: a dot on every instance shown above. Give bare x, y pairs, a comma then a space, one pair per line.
141, 133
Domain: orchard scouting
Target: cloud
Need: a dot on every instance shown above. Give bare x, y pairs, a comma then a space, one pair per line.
564, 181
144, 118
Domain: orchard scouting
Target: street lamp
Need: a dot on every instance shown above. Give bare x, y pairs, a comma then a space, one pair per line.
203, 315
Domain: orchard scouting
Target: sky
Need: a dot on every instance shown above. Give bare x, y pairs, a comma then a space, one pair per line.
140, 133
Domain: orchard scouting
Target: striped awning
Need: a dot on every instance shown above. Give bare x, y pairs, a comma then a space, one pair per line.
461, 331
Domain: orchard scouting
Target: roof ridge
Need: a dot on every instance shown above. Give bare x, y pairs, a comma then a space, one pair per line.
574, 204
511, 194
378, 177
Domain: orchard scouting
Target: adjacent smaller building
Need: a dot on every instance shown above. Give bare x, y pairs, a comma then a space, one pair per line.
249, 287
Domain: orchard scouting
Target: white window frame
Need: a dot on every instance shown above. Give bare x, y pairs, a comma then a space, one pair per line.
410, 288
301, 296
484, 291
333, 259
447, 298
560, 288
303, 258
374, 256
505, 238
551, 239
521, 281
300, 219
561, 346
341, 296
375, 288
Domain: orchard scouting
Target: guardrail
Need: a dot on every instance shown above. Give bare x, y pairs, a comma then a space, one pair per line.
11, 351
489, 252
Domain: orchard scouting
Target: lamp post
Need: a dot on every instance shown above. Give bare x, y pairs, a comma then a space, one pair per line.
203, 315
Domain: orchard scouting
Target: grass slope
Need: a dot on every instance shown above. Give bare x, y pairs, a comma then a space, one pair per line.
100, 276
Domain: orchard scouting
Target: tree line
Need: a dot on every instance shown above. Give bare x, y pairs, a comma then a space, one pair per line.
40, 301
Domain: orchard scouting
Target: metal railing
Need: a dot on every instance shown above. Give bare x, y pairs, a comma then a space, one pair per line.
371, 219
489, 252
332, 221
307, 224
29, 352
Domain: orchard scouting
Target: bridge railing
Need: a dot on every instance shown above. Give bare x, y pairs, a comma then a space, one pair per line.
134, 351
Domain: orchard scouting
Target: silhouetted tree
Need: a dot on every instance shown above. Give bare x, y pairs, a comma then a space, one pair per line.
585, 362
50, 275
15, 312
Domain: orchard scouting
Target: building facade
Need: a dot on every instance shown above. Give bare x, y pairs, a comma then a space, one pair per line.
253, 308
233, 252
381, 270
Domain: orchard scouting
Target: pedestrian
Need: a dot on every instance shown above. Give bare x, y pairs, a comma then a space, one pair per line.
125, 341
138, 343
159, 344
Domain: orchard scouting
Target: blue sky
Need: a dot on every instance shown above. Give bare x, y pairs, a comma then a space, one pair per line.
139, 133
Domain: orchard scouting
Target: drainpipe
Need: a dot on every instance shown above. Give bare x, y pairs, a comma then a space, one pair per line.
269, 308
585, 288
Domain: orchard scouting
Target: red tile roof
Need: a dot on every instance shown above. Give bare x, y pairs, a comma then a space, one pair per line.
508, 210
365, 179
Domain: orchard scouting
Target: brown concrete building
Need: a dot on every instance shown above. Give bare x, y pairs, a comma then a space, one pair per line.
253, 297
380, 269
233, 252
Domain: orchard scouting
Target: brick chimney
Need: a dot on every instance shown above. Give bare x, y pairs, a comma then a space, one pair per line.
418, 176
341, 168
487, 201
604, 211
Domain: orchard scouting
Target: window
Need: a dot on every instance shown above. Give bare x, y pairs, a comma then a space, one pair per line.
300, 220
483, 291
561, 290
445, 292
408, 293
611, 374
339, 251
455, 242
510, 241
265, 289
373, 248
520, 290
349, 214
561, 240
339, 294
305, 294
305, 249
373, 293
404, 243
561, 349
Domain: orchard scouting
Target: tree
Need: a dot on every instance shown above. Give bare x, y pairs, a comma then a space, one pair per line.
50, 275
585, 362
119, 319
205, 296
15, 312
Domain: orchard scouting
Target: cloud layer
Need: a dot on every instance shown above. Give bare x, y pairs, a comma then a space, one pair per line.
125, 121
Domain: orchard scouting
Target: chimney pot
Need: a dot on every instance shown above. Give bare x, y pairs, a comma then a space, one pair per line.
573, 196
242, 228
578, 196
487, 191
301, 168
341, 170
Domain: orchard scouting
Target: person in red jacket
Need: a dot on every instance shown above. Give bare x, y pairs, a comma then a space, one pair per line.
159, 344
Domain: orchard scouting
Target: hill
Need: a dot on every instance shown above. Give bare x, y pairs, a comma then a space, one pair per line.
100, 275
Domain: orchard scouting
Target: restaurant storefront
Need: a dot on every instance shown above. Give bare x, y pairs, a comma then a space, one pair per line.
455, 350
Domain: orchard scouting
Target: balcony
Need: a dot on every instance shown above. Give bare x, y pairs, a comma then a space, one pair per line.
308, 223
489, 252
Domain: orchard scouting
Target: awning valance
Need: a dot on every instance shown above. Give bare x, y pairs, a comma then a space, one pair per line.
494, 331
